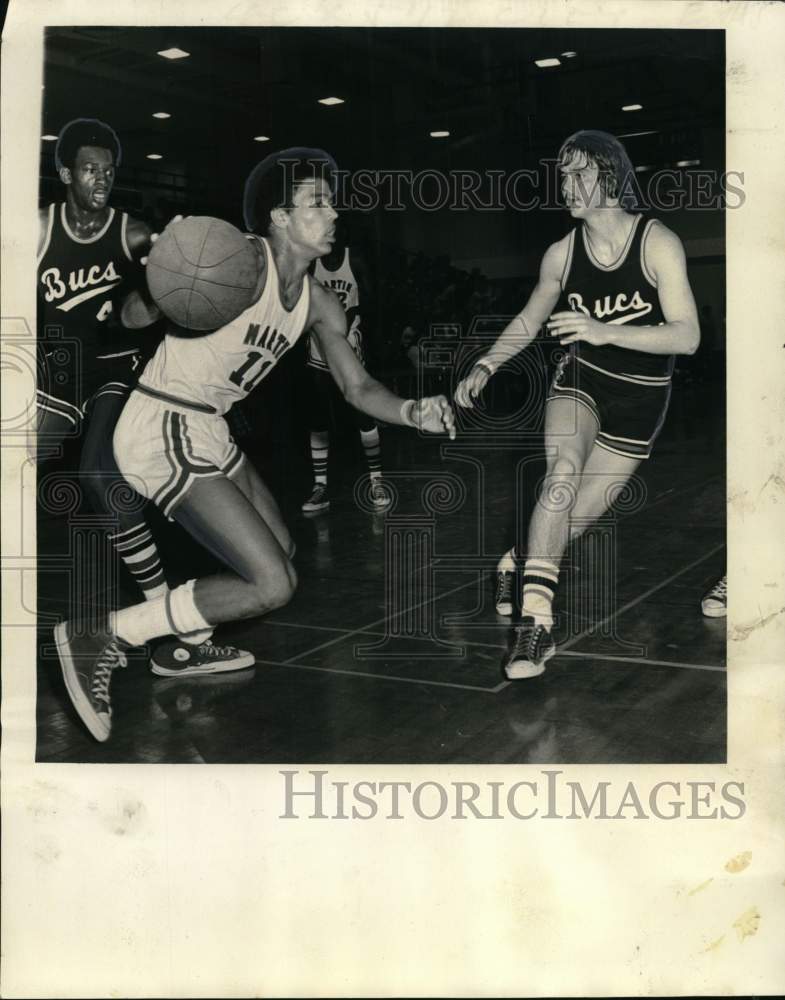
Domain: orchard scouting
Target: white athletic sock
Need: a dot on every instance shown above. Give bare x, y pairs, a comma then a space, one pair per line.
197, 638
540, 579
174, 614
507, 562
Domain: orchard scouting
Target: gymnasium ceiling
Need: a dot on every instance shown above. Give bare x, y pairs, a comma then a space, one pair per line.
398, 85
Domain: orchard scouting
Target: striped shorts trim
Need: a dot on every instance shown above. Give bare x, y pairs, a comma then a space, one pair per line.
185, 463
51, 404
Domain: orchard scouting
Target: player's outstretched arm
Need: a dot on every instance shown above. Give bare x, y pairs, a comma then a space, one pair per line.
521, 331
137, 309
327, 321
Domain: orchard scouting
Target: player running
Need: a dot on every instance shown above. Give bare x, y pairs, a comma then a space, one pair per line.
174, 445
615, 290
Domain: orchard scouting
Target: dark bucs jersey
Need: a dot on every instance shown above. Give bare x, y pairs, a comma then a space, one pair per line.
77, 280
624, 294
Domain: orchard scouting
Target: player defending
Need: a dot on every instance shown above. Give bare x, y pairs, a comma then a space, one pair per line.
89, 273
174, 445
614, 290
342, 271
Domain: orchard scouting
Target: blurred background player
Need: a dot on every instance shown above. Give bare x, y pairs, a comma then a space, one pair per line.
173, 441
93, 306
619, 288
342, 271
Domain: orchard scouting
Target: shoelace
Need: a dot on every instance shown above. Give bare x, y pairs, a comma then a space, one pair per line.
209, 648
318, 493
527, 643
503, 586
109, 659
721, 589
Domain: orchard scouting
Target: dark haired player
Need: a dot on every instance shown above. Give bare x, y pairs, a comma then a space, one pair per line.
173, 442
615, 290
343, 271
88, 274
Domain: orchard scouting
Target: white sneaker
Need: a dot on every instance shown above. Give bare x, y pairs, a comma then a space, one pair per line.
318, 500
715, 603
505, 584
379, 495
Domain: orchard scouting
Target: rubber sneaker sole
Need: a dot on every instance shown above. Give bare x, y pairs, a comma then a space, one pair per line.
521, 670
314, 508
714, 611
203, 669
99, 726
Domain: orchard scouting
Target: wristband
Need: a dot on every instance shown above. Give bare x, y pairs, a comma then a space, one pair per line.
406, 412
486, 366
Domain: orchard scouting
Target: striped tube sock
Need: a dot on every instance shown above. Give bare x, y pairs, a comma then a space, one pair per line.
136, 548
373, 451
320, 447
174, 614
540, 579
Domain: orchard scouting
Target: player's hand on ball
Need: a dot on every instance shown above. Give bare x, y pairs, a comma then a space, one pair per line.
434, 415
470, 387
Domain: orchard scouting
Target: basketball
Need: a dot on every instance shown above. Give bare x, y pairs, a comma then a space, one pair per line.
202, 272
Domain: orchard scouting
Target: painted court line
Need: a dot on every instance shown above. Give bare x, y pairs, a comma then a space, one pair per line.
576, 654
287, 664
379, 621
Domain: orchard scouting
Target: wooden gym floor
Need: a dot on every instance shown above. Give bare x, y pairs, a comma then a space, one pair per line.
359, 668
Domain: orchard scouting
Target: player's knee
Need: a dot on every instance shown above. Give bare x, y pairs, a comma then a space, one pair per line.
278, 594
562, 467
274, 591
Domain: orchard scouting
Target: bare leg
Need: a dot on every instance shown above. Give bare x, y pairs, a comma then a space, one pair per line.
220, 517
604, 477
570, 431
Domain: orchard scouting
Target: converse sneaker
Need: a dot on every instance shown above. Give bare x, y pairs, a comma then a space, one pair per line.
505, 586
87, 662
177, 658
380, 498
531, 647
715, 603
317, 500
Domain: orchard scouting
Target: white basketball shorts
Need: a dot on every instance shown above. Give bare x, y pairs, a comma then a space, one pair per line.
163, 445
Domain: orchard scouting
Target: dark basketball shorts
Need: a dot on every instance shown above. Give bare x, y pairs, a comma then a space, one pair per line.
69, 385
325, 403
630, 414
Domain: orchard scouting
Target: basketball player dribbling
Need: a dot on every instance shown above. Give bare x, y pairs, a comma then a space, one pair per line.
89, 272
615, 290
343, 272
172, 442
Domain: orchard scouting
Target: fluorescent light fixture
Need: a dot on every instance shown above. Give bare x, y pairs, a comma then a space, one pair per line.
438, 135
154, 156
261, 138
49, 138
545, 63
569, 55
161, 114
632, 107
643, 167
329, 101
174, 53
629, 135
688, 163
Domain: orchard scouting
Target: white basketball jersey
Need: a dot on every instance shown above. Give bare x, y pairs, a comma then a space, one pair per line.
217, 369
344, 283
